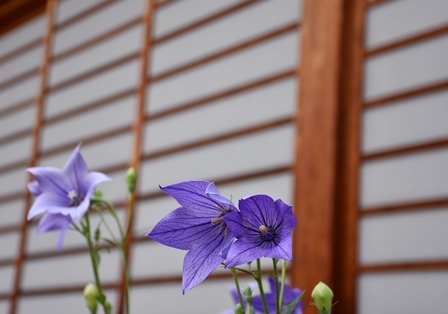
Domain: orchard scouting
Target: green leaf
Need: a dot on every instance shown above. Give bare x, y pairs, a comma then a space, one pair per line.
97, 258
291, 306
97, 235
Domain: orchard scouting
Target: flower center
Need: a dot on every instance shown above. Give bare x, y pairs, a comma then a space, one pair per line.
74, 198
266, 233
217, 221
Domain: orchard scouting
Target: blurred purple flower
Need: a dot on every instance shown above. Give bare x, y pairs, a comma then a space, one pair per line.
262, 228
289, 295
197, 226
63, 196
65, 191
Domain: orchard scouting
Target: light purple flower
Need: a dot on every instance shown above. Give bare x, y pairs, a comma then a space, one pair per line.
196, 226
63, 195
289, 295
262, 228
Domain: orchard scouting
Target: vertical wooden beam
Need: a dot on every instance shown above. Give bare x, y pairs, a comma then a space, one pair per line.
345, 244
316, 145
40, 105
139, 124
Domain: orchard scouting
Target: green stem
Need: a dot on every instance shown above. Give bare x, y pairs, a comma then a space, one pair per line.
106, 224
260, 287
237, 284
126, 278
94, 263
282, 289
131, 213
123, 249
277, 291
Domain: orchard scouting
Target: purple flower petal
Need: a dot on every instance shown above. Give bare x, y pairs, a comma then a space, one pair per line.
213, 193
191, 195
50, 222
75, 169
34, 188
200, 261
47, 202
51, 180
182, 229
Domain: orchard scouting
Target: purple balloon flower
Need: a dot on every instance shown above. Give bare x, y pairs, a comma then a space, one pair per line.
63, 195
289, 295
262, 228
197, 226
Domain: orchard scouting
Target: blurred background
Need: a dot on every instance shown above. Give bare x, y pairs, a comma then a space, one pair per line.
337, 107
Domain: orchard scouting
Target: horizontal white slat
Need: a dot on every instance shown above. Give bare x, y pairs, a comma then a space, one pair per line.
9, 243
209, 297
18, 121
412, 177
246, 154
15, 151
69, 270
98, 23
410, 67
264, 104
4, 306
22, 91
97, 55
403, 292
405, 237
22, 35
13, 181
70, 8
112, 116
273, 56
71, 303
20, 64
105, 153
397, 19
245, 24
405, 122
97, 87
181, 13
11, 212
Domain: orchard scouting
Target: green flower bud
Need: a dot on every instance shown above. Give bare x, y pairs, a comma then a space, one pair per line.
323, 297
131, 179
90, 295
98, 194
248, 295
239, 309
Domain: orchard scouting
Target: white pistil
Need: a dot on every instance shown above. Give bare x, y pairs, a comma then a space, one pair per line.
72, 195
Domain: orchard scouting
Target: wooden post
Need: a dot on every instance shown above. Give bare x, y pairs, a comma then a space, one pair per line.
40, 104
139, 124
321, 149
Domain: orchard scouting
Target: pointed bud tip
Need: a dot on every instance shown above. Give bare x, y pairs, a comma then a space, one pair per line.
322, 296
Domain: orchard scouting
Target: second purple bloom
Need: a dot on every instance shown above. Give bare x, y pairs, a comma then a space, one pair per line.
262, 228
197, 226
